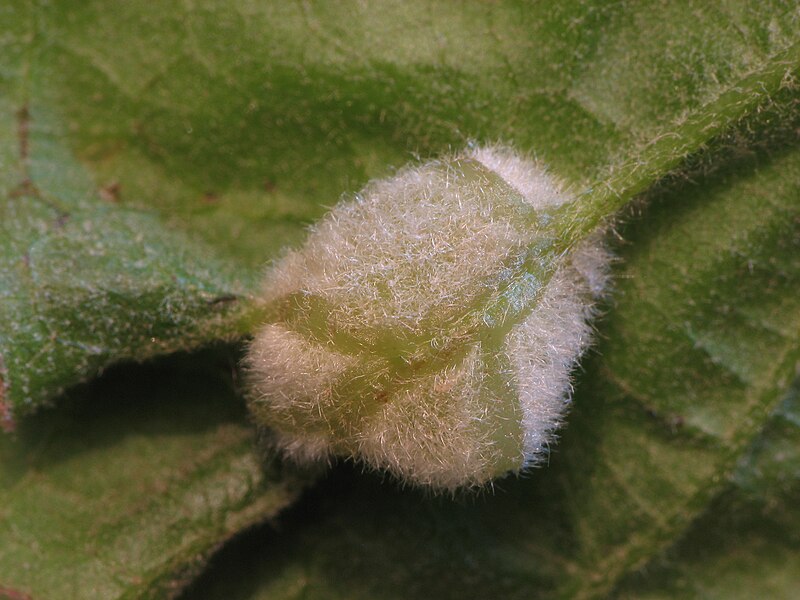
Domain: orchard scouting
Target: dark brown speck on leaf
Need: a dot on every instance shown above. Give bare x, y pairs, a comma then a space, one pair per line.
110, 192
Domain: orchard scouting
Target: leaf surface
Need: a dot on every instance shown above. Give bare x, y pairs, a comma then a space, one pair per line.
700, 342
151, 162
84, 283
746, 544
125, 490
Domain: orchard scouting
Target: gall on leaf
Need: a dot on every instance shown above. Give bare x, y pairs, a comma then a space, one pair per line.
429, 325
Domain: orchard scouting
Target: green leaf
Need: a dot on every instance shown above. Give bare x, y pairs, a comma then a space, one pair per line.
735, 551
84, 283
771, 467
125, 490
698, 347
745, 545
241, 122
240, 125
237, 123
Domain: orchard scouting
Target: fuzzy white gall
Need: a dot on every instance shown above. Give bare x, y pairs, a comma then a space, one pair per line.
429, 325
